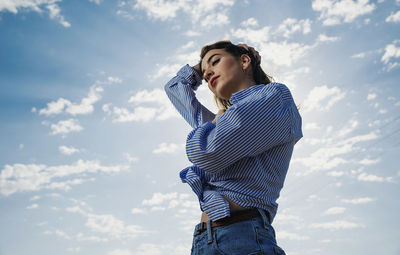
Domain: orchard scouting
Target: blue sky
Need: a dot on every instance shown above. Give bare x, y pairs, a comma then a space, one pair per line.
91, 148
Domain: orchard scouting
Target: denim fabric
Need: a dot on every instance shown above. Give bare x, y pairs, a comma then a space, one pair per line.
249, 237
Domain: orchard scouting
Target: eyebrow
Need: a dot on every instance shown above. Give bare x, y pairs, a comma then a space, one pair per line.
209, 59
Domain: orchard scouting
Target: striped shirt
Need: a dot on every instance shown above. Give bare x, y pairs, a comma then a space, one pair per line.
245, 155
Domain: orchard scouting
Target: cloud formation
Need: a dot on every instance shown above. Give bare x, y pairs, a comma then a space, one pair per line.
160, 107
392, 53
33, 177
208, 13
168, 148
36, 5
322, 98
67, 150
393, 17
337, 225
65, 126
64, 105
334, 12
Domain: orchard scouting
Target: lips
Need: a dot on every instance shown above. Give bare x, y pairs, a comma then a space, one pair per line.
213, 79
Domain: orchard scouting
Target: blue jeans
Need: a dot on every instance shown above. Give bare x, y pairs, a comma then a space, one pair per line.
249, 237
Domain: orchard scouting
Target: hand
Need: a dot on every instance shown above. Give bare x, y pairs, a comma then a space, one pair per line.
221, 111
253, 51
197, 68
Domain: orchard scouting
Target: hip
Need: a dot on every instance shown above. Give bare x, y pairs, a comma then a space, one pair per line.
248, 237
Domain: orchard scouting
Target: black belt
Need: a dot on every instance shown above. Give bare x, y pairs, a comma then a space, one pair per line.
236, 216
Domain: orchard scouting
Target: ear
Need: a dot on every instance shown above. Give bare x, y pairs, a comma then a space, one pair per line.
245, 61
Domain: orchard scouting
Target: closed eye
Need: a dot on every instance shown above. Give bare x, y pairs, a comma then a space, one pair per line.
215, 62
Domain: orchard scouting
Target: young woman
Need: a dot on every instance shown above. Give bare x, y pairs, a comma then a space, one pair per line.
240, 155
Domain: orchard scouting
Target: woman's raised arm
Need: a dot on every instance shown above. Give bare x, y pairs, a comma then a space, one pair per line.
181, 92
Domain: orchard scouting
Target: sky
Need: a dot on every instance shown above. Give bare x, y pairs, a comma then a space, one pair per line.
91, 148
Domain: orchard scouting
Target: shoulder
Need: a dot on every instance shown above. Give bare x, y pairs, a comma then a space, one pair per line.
268, 92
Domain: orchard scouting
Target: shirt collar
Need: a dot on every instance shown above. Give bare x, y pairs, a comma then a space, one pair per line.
242, 94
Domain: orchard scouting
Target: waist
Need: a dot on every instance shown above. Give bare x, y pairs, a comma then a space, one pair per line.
236, 216
232, 206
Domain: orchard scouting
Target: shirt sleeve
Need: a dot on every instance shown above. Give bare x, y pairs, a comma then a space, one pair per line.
246, 129
180, 91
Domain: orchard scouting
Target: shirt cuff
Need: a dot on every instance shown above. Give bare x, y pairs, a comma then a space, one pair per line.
188, 73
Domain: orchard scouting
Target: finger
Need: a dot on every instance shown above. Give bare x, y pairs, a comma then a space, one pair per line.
243, 46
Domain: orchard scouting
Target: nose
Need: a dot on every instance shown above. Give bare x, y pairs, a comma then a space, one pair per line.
208, 74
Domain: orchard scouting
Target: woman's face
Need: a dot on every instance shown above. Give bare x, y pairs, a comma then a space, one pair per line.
223, 72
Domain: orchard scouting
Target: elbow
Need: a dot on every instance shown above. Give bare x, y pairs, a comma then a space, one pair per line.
167, 88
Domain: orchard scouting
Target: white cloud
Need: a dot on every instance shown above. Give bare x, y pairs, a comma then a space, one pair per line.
55, 107
283, 53
334, 211
337, 225
368, 161
165, 148
361, 200
392, 51
290, 236
184, 205
158, 198
371, 96
33, 177
138, 211
111, 80
325, 38
334, 12
251, 22
336, 173
208, 13
160, 109
322, 98
372, 178
32, 206
165, 71
67, 150
65, 127
215, 19
394, 17
188, 45
55, 14
34, 198
108, 225
131, 159
84, 107
359, 55
331, 154
35, 5
252, 36
160, 9
120, 252
347, 128
290, 26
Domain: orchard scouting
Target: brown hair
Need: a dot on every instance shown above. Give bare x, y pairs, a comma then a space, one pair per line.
259, 76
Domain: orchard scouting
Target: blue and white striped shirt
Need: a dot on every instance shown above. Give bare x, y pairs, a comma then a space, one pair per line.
245, 155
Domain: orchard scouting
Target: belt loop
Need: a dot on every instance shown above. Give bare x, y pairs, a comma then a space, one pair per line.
210, 240
264, 217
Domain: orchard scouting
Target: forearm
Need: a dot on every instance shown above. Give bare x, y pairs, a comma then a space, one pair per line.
181, 92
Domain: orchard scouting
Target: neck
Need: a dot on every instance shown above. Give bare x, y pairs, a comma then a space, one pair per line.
245, 85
